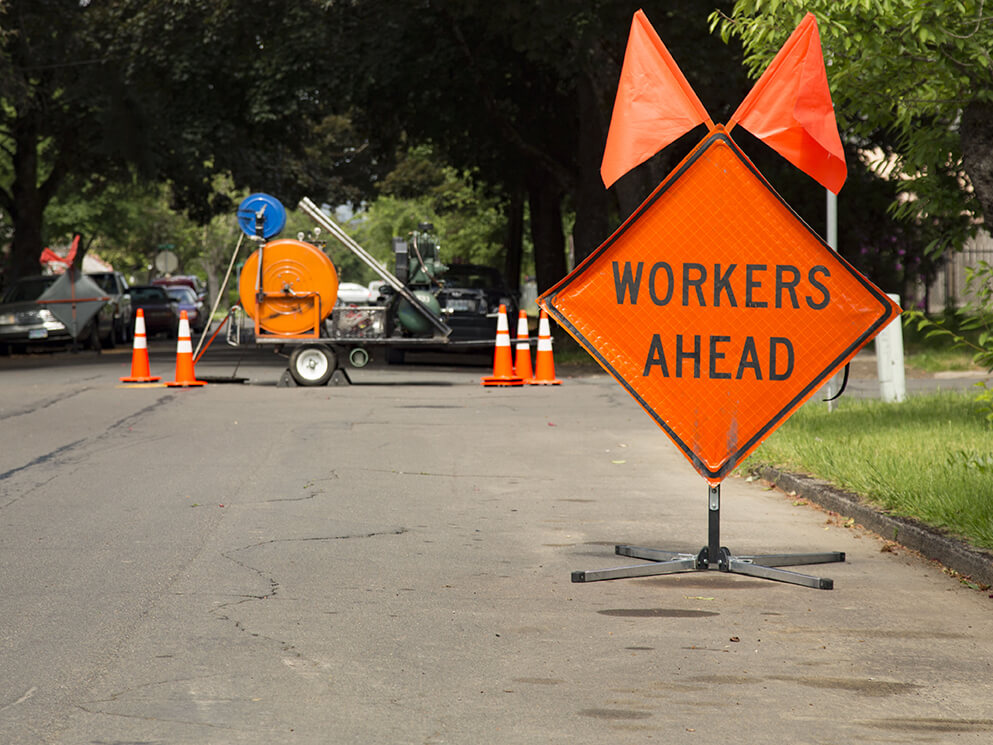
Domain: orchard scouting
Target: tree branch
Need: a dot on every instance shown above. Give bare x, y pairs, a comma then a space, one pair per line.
54, 180
560, 173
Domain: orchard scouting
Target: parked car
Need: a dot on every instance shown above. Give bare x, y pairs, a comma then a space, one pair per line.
184, 280
116, 317
160, 310
23, 322
186, 299
351, 293
470, 297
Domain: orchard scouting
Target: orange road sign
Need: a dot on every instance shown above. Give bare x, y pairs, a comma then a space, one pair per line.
717, 308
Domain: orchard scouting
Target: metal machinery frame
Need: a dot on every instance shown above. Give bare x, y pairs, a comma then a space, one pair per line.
261, 217
713, 556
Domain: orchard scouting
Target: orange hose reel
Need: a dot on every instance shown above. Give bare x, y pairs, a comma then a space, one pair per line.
295, 291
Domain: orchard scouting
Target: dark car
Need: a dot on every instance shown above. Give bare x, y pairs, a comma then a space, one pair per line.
187, 300
470, 298
160, 310
184, 280
23, 322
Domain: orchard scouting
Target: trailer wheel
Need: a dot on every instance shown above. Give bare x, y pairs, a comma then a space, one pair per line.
312, 364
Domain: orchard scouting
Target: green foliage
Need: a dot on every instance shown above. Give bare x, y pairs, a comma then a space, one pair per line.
969, 327
169, 92
907, 68
468, 221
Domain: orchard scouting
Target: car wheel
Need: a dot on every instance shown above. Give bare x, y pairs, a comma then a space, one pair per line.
124, 332
91, 337
312, 364
110, 340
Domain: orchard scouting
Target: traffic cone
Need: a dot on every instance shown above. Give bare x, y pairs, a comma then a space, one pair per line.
522, 360
544, 365
503, 368
140, 372
184, 357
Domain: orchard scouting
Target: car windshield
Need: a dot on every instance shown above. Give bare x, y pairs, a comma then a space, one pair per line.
28, 289
106, 282
149, 295
182, 294
475, 277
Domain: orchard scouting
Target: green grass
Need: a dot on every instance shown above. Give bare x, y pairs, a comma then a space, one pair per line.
930, 457
941, 360
938, 353
569, 354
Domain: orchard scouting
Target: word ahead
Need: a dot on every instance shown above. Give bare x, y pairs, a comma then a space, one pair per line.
716, 351
696, 288
717, 308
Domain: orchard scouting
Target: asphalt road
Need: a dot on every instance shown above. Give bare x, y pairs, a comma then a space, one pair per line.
390, 562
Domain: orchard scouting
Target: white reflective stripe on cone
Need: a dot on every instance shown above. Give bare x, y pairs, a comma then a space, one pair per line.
140, 342
185, 346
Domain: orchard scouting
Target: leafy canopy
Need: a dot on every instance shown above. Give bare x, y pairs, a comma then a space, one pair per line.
901, 72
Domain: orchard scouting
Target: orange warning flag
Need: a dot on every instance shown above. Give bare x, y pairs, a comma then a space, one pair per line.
790, 109
654, 105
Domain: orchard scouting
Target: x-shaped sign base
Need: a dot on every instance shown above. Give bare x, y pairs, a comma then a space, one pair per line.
764, 566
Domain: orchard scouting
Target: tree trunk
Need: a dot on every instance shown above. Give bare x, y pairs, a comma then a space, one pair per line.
515, 241
28, 205
591, 198
976, 133
545, 201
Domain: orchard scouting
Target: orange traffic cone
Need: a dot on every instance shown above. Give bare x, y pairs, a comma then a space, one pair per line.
522, 360
184, 356
544, 365
503, 369
140, 372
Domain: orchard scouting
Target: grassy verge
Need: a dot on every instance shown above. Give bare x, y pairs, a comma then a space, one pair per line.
937, 353
941, 360
930, 457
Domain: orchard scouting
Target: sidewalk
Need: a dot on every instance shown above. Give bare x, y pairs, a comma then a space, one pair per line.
863, 381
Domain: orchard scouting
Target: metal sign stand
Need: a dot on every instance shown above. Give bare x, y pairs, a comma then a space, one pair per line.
715, 556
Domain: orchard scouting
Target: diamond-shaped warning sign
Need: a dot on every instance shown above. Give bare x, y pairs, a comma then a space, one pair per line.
718, 308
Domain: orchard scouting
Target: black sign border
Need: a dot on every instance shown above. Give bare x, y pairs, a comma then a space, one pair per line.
734, 458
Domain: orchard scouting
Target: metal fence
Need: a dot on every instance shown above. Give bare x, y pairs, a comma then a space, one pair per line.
950, 287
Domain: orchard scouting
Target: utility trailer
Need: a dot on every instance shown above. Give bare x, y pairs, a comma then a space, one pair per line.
288, 288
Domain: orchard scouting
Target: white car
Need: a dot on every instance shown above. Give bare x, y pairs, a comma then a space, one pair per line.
352, 293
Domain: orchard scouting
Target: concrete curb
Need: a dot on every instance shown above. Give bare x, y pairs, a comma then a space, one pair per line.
951, 552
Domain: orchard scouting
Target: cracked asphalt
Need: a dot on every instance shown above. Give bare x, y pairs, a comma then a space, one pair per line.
390, 563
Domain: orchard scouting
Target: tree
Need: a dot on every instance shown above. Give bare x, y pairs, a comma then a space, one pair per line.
467, 220
46, 52
519, 94
913, 75
175, 93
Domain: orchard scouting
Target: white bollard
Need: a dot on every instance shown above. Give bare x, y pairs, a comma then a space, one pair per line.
889, 360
